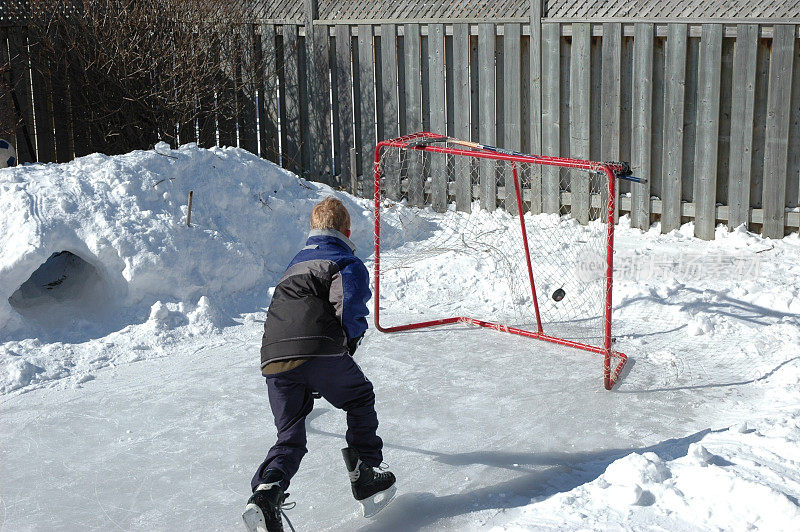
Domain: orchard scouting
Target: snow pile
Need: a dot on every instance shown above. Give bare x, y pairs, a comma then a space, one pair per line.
740, 478
100, 244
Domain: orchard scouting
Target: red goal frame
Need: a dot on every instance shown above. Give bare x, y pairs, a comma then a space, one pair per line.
422, 141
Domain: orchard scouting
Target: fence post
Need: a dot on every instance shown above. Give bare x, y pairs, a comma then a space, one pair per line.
317, 137
535, 106
642, 122
343, 88
743, 110
707, 140
674, 97
777, 131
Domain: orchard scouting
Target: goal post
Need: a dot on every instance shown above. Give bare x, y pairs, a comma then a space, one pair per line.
465, 211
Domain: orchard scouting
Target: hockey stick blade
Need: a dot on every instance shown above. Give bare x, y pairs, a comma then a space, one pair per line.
632, 178
423, 141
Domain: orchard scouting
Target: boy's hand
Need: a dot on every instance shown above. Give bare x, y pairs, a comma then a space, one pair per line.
353, 344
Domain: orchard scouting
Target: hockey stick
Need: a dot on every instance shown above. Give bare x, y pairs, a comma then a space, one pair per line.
423, 141
621, 169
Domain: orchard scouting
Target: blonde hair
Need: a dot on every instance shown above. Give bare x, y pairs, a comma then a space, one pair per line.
330, 213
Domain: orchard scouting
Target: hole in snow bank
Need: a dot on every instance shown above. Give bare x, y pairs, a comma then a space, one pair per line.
61, 290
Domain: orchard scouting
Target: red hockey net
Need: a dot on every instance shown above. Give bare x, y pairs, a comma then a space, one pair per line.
451, 247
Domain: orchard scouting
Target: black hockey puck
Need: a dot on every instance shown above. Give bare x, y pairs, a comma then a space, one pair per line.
559, 294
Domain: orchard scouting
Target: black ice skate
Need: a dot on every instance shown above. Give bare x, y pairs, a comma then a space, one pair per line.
263, 510
371, 489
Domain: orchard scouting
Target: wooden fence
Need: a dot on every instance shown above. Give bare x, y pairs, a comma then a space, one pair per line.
709, 113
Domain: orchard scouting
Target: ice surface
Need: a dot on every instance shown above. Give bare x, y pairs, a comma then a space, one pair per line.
152, 414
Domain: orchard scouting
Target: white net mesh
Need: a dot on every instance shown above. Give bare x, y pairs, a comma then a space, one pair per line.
451, 243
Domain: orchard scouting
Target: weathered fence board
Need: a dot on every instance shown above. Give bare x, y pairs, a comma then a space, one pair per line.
742, 109
42, 91
535, 105
512, 104
291, 135
626, 109
707, 145
227, 115
187, 124
425, 80
391, 124
657, 120
377, 72
343, 112
474, 88
319, 108
79, 112
551, 110
641, 130
674, 104
61, 118
448, 86
21, 96
610, 104
725, 103
366, 100
461, 107
763, 54
595, 97
777, 130
690, 118
246, 94
499, 95
413, 89
565, 69
487, 109
206, 107
268, 111
579, 116
437, 113
413, 78
793, 164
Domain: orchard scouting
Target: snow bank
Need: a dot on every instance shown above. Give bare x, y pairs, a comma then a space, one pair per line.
124, 217
101, 243
740, 478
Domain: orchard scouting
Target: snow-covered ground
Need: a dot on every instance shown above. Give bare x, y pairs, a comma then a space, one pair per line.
130, 396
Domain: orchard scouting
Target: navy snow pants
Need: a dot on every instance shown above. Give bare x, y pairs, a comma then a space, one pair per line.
342, 383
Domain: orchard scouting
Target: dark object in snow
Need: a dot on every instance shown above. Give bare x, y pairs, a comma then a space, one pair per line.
559, 294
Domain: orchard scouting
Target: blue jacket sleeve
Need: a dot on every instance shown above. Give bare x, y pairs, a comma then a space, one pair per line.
356, 293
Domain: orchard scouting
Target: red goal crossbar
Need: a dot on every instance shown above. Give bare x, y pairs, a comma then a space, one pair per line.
427, 142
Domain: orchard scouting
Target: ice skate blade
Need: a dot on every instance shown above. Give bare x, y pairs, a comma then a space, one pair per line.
374, 504
254, 519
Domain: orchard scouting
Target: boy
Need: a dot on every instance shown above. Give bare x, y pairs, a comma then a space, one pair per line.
314, 325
